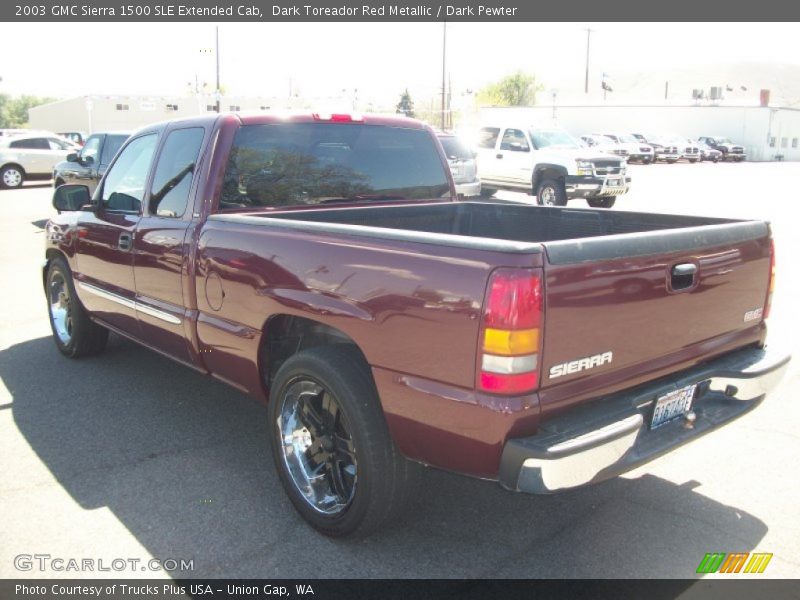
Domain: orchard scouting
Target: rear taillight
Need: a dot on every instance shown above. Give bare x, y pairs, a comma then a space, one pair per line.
511, 332
771, 288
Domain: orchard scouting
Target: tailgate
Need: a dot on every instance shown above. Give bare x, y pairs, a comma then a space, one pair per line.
624, 309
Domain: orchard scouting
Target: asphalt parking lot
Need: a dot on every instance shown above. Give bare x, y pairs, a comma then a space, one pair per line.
128, 455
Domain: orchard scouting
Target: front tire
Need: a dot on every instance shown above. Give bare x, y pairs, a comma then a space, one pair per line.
551, 192
332, 448
487, 192
602, 201
74, 333
11, 177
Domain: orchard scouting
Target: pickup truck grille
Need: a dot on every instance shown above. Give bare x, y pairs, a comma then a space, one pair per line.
607, 167
737, 150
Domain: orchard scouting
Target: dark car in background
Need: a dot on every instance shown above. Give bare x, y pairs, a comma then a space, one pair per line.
730, 151
87, 166
463, 165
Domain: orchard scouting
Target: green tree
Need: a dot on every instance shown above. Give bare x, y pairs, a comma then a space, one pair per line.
517, 89
14, 111
406, 105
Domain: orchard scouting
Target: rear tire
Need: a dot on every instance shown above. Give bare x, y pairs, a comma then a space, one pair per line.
11, 177
551, 192
74, 333
602, 201
331, 445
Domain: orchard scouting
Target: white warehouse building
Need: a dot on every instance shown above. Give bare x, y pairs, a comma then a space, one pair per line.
99, 113
767, 133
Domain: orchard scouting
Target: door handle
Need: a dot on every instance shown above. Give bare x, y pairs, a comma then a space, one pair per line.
125, 241
498, 156
682, 276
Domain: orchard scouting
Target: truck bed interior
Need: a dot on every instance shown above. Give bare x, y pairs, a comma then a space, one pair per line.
503, 221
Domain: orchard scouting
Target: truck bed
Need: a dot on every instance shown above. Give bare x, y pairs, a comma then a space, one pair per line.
607, 278
487, 225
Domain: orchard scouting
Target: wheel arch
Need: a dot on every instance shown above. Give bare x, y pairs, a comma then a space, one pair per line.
14, 164
283, 335
547, 171
49, 255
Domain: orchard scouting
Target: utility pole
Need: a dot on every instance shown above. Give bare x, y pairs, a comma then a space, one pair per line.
588, 39
219, 100
444, 69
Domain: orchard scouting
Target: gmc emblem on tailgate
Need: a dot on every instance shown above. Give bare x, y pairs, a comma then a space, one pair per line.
590, 362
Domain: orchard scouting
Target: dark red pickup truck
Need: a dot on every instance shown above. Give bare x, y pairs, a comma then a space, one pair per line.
323, 264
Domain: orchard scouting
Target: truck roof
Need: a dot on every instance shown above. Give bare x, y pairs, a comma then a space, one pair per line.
267, 117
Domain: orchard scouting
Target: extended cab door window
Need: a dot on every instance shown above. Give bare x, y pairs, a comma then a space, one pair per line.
514, 140
124, 186
172, 181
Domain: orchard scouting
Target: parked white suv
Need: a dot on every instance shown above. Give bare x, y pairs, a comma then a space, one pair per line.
548, 163
31, 156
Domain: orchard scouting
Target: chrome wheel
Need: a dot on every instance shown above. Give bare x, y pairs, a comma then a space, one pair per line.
60, 307
547, 196
12, 177
317, 447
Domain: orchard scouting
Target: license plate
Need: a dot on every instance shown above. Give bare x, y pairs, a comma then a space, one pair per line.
614, 182
672, 405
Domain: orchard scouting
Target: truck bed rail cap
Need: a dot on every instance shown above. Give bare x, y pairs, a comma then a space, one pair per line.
645, 243
440, 239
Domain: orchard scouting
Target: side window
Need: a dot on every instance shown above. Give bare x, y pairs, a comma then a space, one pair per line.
54, 144
91, 148
124, 184
487, 137
514, 140
111, 147
31, 144
174, 172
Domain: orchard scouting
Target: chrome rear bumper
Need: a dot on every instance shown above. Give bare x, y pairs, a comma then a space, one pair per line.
581, 448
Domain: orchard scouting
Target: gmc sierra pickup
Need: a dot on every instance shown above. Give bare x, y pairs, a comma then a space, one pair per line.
323, 264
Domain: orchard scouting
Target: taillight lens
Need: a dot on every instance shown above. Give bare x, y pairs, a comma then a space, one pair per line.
768, 303
510, 332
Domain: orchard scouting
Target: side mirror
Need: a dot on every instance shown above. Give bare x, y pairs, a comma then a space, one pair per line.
87, 160
72, 157
70, 198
